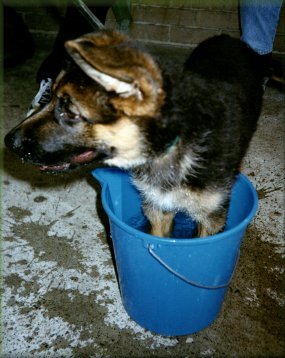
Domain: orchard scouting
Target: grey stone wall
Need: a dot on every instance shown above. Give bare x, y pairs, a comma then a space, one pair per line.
172, 22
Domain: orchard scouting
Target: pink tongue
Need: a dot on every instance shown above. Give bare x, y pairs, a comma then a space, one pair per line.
84, 157
78, 159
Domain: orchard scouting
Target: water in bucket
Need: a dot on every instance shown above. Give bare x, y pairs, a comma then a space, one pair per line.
172, 286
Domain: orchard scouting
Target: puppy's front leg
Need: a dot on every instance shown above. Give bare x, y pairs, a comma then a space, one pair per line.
161, 221
213, 224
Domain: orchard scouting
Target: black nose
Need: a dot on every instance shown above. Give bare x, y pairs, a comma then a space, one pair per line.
17, 142
13, 140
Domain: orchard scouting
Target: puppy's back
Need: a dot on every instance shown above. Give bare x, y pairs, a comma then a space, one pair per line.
227, 59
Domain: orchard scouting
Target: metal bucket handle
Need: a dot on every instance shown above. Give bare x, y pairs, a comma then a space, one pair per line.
192, 283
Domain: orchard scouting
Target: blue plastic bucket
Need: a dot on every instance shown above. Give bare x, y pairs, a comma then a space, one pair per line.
172, 286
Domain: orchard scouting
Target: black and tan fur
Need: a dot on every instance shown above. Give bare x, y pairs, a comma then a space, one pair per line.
182, 133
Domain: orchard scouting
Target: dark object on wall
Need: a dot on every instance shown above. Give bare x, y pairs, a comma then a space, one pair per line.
18, 42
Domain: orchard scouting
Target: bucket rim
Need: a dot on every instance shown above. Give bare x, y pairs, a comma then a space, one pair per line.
183, 241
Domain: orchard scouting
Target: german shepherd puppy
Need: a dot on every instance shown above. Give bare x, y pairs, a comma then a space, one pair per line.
182, 133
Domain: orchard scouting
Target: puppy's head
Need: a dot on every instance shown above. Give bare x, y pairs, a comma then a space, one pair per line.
100, 107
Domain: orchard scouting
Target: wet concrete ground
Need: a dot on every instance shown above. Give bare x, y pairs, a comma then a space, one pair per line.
60, 292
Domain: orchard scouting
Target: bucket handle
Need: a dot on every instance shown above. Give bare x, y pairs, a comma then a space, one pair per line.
192, 283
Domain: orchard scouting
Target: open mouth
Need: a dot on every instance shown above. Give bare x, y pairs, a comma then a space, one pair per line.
83, 158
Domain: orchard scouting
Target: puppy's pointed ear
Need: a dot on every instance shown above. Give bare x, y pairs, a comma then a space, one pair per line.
97, 56
110, 59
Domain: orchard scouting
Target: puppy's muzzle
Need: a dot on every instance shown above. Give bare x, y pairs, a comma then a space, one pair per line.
22, 146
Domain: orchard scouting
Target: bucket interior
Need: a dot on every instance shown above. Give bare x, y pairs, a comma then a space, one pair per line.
124, 201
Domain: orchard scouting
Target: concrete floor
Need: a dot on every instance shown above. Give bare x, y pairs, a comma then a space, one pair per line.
60, 292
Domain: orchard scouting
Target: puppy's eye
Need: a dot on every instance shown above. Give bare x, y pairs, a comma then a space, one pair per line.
72, 119
66, 112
